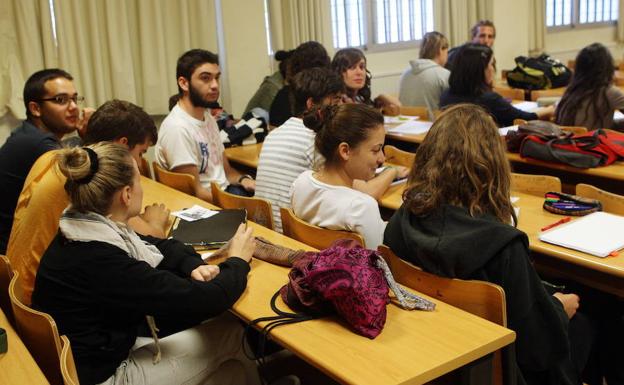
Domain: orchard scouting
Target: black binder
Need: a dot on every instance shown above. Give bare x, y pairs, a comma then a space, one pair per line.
213, 231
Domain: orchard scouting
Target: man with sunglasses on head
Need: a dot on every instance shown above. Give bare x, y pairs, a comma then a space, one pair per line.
52, 111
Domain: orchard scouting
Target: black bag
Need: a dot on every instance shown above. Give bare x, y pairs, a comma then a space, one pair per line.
538, 73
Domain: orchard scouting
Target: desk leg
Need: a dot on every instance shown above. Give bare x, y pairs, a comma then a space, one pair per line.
478, 372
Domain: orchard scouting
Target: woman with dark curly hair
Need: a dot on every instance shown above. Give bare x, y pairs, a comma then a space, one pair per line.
350, 63
591, 98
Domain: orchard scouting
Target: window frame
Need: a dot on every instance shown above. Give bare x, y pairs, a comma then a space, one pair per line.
369, 14
575, 23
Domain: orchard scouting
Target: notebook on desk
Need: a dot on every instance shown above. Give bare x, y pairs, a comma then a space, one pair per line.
597, 234
213, 231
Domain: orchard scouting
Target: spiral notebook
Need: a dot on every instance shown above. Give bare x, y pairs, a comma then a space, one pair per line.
213, 231
597, 234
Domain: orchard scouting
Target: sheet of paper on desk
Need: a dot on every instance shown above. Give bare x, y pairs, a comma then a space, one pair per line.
504, 130
411, 127
598, 234
617, 115
399, 119
194, 213
526, 106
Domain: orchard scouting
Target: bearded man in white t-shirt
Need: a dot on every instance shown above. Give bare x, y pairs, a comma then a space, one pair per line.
188, 140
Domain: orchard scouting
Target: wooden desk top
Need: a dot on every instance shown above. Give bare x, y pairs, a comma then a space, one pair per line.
532, 218
246, 155
414, 347
613, 171
17, 366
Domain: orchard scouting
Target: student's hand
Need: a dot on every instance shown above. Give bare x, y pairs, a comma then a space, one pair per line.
248, 184
205, 273
570, 302
243, 244
157, 215
401, 172
84, 120
545, 113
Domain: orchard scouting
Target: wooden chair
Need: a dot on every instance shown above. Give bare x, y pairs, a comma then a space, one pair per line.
68, 365
39, 333
510, 93
483, 299
534, 184
258, 209
144, 168
6, 273
421, 111
314, 236
544, 93
611, 202
399, 157
176, 180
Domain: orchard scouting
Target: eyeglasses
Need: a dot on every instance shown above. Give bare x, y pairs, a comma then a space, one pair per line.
63, 99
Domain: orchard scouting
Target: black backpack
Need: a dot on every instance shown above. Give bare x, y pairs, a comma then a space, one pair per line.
538, 73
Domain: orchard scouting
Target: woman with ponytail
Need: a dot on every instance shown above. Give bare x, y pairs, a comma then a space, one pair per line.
102, 283
350, 137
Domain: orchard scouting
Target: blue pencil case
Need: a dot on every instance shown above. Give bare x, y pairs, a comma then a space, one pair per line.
567, 204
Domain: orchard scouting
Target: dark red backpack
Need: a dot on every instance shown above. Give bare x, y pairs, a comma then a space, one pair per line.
593, 149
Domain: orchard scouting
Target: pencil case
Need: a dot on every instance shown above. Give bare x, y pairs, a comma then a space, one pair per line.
567, 204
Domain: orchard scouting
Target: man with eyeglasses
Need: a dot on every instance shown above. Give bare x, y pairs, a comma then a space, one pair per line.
52, 111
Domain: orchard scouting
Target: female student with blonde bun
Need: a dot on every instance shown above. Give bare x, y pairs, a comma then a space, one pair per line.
457, 221
350, 137
100, 282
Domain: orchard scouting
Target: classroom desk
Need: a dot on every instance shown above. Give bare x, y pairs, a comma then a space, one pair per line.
17, 366
414, 347
606, 274
245, 155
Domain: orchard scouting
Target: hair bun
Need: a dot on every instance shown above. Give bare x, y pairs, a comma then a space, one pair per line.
315, 118
282, 55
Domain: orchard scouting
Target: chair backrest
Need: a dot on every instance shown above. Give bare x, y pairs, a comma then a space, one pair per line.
6, 273
421, 111
68, 365
510, 93
314, 236
534, 184
144, 168
551, 92
39, 333
483, 299
399, 157
258, 210
176, 180
611, 202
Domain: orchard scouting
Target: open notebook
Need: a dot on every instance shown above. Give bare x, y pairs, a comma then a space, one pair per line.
598, 234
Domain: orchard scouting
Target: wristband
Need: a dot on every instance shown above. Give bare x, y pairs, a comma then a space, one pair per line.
246, 176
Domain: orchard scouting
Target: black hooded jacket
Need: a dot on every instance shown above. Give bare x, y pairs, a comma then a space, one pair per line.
451, 243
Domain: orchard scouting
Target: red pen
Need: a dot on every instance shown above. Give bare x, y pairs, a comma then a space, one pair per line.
559, 222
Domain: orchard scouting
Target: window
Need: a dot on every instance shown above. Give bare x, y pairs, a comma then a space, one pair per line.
373, 23
560, 13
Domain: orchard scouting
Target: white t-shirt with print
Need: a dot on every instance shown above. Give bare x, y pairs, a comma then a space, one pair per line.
337, 208
184, 140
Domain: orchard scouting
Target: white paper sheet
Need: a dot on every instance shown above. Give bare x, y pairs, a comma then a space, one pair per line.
504, 130
399, 119
411, 127
526, 106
